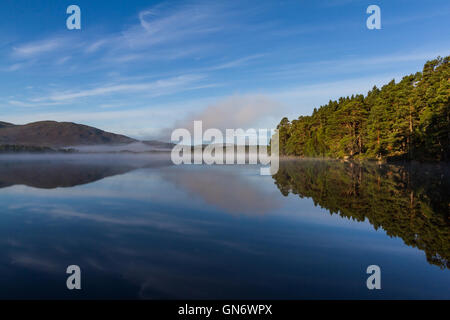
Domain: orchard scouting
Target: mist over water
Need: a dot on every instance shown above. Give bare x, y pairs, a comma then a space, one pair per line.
141, 227
131, 147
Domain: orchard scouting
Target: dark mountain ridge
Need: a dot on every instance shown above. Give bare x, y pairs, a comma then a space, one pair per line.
5, 124
58, 134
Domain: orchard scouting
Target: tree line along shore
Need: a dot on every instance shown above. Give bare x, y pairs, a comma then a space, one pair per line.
408, 120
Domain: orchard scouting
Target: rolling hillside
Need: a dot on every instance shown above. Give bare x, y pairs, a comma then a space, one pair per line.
57, 134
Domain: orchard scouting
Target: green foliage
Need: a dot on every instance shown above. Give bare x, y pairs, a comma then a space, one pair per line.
405, 120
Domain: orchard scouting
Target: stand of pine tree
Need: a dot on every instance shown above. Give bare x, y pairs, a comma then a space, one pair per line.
409, 120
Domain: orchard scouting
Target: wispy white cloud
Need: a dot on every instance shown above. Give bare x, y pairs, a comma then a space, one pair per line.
399, 57
15, 67
18, 103
355, 63
237, 62
161, 24
336, 3
38, 47
62, 60
161, 27
127, 88
408, 18
154, 88
96, 45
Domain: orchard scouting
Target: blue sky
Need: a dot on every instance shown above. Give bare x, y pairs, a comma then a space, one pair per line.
140, 67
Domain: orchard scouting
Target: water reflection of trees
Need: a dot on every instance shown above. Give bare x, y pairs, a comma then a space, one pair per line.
409, 201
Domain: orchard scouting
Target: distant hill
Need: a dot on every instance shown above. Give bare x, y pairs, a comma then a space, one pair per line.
57, 134
5, 124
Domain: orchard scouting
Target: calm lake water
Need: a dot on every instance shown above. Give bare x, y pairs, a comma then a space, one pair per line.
141, 228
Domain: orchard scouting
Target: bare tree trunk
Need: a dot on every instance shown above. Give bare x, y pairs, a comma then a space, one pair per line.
410, 142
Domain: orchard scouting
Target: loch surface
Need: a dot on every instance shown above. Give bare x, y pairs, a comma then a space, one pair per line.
142, 228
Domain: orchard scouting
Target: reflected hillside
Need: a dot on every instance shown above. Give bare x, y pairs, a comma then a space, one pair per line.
410, 202
68, 171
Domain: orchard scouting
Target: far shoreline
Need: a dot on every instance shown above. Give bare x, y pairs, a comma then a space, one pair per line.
48, 152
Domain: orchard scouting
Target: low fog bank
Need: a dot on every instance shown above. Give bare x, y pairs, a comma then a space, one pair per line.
132, 147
